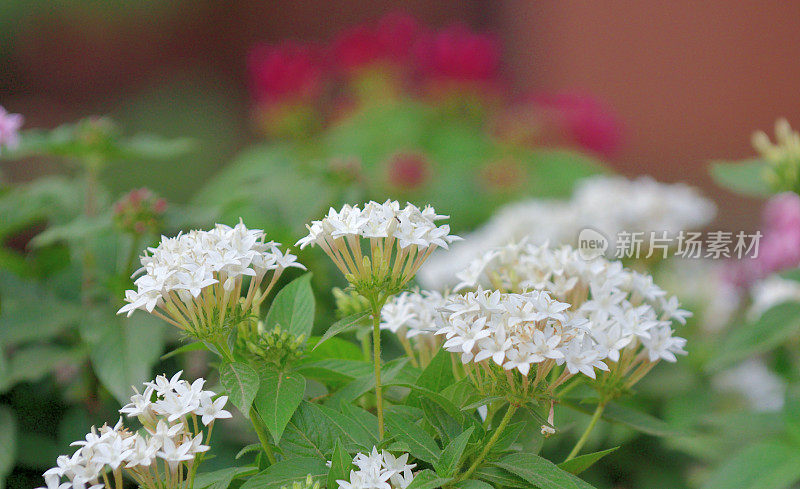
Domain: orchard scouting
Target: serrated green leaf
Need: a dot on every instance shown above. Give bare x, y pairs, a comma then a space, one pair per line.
744, 177
451, 455
427, 479
241, 383
766, 465
583, 462
540, 472
277, 399
285, 472
293, 307
345, 324
775, 326
8, 442
341, 464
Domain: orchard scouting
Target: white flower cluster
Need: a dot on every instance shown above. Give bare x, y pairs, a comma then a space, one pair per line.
165, 408
621, 308
413, 231
379, 470
517, 331
607, 204
413, 313
189, 276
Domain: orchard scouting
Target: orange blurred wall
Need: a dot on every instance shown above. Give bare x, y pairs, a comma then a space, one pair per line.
691, 80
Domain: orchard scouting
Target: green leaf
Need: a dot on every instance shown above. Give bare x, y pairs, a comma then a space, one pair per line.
766, 465
366, 420
8, 443
473, 484
356, 434
277, 399
427, 479
31, 363
583, 462
220, 479
123, 350
774, 327
345, 324
498, 477
285, 472
333, 348
451, 455
335, 370
419, 442
309, 434
293, 307
540, 472
341, 464
188, 347
242, 384
251, 448
745, 177
439, 372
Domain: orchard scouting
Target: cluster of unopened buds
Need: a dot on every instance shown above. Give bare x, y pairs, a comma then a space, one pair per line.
381, 247
379, 470
783, 156
276, 347
205, 282
139, 212
164, 454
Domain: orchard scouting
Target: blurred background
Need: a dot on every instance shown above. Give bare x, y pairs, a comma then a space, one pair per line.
689, 82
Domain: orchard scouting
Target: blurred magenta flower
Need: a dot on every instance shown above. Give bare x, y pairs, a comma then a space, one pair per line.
459, 54
408, 170
779, 248
289, 72
584, 120
9, 128
388, 41
139, 211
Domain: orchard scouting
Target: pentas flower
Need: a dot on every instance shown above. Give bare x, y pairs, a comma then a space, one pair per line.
10, 125
626, 319
379, 470
530, 333
196, 281
139, 212
290, 72
458, 54
389, 40
379, 248
610, 205
414, 317
163, 455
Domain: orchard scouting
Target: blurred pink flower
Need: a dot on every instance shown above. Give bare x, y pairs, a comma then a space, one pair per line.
289, 72
389, 40
408, 170
587, 121
457, 53
779, 248
9, 128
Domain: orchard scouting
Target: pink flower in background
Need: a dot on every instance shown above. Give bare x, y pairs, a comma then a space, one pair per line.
389, 40
9, 128
287, 72
408, 170
779, 248
457, 53
586, 120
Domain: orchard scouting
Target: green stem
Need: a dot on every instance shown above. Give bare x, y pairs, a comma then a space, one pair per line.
376, 360
488, 447
258, 425
595, 418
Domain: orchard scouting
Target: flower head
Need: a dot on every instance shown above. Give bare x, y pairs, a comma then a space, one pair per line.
783, 157
9, 128
380, 247
379, 470
194, 280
